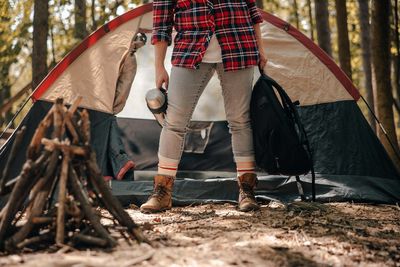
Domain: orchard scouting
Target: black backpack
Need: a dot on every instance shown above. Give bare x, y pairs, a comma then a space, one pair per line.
280, 140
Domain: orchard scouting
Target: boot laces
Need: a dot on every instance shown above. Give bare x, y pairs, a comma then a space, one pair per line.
159, 192
247, 191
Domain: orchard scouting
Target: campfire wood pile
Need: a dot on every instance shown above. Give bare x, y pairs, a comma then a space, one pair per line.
56, 199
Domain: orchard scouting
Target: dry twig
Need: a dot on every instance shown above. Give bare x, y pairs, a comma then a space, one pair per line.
52, 161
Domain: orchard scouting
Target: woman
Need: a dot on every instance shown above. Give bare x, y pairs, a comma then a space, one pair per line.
212, 35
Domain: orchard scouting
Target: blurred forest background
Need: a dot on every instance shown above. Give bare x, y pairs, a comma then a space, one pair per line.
361, 35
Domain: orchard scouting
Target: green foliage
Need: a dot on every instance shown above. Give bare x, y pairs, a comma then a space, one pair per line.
61, 29
355, 43
14, 36
16, 32
14, 27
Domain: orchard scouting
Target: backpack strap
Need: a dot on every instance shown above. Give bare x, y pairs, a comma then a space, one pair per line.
291, 109
312, 181
300, 188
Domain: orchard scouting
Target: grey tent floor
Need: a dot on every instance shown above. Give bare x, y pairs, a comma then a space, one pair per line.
205, 187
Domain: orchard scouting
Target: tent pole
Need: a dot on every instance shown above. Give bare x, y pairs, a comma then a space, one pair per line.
11, 122
382, 128
30, 96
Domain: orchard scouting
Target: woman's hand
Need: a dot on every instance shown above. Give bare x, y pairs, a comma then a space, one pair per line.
162, 77
263, 59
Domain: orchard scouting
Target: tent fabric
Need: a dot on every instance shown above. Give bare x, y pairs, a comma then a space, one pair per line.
105, 141
329, 188
114, 160
142, 147
343, 143
94, 65
317, 51
293, 58
292, 66
341, 140
127, 73
350, 162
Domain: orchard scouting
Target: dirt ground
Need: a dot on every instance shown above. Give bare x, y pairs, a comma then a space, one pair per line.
300, 234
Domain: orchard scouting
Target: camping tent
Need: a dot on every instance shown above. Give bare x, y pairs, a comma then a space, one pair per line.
350, 162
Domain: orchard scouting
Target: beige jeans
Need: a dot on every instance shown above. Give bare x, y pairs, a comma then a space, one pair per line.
185, 88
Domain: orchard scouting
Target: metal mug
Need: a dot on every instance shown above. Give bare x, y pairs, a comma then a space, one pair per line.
157, 103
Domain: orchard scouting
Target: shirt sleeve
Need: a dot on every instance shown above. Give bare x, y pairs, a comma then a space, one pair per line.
163, 19
254, 13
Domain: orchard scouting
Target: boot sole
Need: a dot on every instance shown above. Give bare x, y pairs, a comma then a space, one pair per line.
249, 208
150, 211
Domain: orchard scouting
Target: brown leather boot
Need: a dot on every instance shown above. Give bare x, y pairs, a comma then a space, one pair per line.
247, 201
161, 198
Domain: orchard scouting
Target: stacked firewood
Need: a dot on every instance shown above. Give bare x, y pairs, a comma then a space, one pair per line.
60, 195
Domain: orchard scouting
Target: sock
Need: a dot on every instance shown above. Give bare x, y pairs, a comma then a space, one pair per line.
245, 167
169, 169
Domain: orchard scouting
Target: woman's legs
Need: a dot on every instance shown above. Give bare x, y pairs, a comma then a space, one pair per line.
186, 87
243, 167
236, 90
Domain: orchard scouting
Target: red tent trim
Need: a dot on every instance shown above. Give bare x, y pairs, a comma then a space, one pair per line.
316, 50
85, 44
115, 23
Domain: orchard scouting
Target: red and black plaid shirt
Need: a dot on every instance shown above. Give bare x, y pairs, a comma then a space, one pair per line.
195, 21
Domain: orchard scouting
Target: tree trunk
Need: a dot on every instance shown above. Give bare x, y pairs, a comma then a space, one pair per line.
381, 61
5, 86
366, 56
322, 23
53, 47
103, 15
14, 36
93, 15
260, 4
343, 37
80, 31
310, 16
5, 94
40, 32
396, 56
296, 14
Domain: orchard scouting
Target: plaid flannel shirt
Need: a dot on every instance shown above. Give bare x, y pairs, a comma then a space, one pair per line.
195, 21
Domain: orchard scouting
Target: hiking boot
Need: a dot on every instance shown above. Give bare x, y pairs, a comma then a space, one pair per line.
247, 201
161, 198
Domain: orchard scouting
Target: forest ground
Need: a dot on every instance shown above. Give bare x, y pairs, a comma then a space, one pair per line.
300, 234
